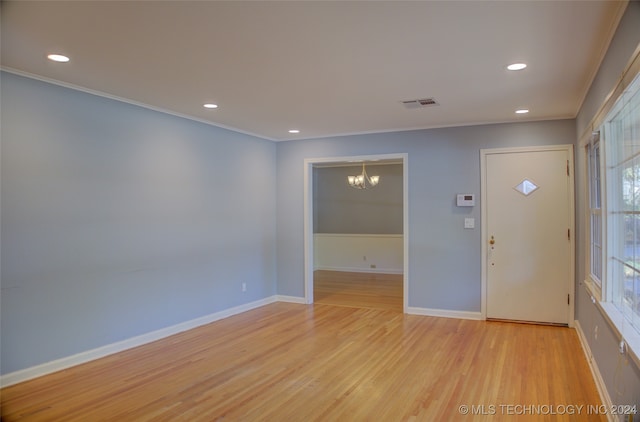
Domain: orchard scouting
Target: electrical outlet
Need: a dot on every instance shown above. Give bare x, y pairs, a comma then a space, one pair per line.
623, 347
595, 333
244, 287
373, 265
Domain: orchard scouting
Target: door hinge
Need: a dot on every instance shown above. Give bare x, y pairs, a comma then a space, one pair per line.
569, 234
567, 167
568, 298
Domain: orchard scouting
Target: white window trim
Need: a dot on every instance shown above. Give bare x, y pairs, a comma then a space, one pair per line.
601, 296
596, 289
592, 287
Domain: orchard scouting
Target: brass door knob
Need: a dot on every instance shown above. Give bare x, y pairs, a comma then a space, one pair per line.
492, 241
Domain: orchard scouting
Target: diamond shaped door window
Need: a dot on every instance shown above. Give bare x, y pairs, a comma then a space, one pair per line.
526, 187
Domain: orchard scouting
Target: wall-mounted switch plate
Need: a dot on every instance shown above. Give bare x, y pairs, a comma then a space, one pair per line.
469, 223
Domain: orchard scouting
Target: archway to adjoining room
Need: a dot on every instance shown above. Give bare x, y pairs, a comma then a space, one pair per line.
356, 240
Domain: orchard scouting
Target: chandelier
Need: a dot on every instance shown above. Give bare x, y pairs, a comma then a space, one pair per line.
363, 181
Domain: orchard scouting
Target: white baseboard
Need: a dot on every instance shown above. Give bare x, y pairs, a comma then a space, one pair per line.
89, 355
290, 299
361, 270
444, 313
593, 365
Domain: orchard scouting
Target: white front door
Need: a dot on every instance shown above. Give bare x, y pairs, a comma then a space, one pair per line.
528, 198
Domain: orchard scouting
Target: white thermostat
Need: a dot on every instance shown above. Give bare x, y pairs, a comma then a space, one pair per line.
466, 200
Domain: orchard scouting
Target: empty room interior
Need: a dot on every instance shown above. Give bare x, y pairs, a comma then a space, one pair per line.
319, 210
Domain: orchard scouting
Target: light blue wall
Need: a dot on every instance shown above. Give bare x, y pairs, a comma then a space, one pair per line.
444, 258
117, 221
622, 379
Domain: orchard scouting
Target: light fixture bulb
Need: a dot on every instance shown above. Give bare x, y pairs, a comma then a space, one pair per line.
522, 111
58, 58
294, 131
210, 105
363, 180
517, 66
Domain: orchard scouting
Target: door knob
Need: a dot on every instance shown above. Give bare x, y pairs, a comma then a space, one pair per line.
492, 241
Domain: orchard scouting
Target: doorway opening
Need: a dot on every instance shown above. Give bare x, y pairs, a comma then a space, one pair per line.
362, 282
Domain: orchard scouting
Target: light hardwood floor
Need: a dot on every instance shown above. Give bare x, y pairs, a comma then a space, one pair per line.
293, 362
363, 290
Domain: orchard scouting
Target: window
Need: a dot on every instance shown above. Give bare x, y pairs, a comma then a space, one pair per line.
595, 210
621, 200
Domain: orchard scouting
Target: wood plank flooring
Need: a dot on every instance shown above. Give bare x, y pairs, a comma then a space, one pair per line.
293, 362
363, 290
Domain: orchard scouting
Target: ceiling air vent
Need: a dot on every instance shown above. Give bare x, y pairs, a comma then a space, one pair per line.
422, 102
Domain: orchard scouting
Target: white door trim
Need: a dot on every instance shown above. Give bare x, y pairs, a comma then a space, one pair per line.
483, 230
308, 218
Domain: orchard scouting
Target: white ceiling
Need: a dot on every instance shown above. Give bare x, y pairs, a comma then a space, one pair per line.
323, 67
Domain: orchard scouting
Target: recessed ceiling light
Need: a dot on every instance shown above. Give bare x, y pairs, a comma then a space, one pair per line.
294, 131
522, 111
58, 58
210, 105
517, 66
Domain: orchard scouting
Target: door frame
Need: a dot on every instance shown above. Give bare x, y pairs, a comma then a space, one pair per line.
484, 232
308, 218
